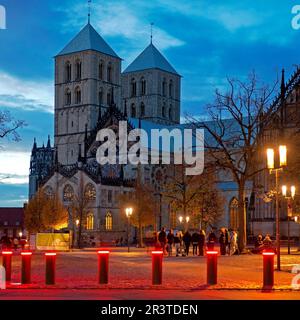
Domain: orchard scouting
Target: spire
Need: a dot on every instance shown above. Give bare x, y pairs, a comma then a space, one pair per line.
34, 147
56, 158
151, 32
89, 11
49, 142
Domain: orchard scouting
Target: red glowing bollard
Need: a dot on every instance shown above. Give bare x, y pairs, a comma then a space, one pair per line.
6, 262
26, 267
268, 259
212, 267
50, 267
103, 257
157, 257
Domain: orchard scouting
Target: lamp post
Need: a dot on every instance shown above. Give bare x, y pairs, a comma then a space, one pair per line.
272, 170
187, 219
128, 212
289, 208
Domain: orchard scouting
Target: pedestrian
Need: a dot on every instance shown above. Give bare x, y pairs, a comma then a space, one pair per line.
162, 238
233, 243
211, 240
201, 242
170, 239
187, 238
222, 242
195, 242
177, 243
227, 241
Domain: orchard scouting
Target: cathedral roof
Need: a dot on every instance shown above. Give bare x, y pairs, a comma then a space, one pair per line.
150, 58
88, 39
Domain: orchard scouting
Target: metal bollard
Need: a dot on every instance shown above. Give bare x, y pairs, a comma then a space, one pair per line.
6, 262
212, 267
268, 273
103, 258
50, 267
157, 257
26, 267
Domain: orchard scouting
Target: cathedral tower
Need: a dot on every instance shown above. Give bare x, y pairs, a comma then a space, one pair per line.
87, 81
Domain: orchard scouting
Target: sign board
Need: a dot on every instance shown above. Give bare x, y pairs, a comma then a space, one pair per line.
53, 241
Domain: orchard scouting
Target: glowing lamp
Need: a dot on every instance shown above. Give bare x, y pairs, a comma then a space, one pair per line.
270, 158
282, 156
293, 191
283, 190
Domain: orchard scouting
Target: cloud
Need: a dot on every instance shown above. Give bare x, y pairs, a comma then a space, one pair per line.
25, 94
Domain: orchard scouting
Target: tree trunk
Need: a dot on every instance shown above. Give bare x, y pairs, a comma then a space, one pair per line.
140, 242
242, 233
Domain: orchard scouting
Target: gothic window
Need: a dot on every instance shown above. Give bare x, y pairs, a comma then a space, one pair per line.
68, 97
143, 86
109, 196
234, 213
142, 110
90, 192
171, 89
109, 97
164, 87
100, 96
108, 221
78, 70
163, 110
68, 193
48, 191
77, 95
68, 71
90, 221
101, 67
133, 111
133, 88
109, 72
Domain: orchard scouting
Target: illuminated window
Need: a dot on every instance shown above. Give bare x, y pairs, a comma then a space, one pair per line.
108, 221
90, 192
234, 213
68, 194
90, 221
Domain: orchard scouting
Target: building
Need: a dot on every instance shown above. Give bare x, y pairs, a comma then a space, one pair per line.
91, 93
11, 222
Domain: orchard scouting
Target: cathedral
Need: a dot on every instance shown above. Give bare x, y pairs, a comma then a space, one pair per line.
91, 93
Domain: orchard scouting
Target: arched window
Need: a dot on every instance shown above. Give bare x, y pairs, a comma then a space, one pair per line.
109, 72
78, 70
170, 112
90, 222
133, 88
90, 192
234, 213
163, 110
142, 113
100, 97
164, 87
101, 68
48, 191
143, 86
108, 221
171, 88
109, 97
68, 72
68, 97
68, 193
77, 95
133, 110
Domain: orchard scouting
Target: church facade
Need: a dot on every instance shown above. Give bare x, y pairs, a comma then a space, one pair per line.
92, 93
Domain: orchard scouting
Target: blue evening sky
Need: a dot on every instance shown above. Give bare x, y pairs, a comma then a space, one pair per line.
205, 41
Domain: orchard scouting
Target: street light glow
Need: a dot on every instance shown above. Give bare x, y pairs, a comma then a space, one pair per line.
187, 219
282, 156
77, 222
283, 190
293, 191
128, 212
180, 219
270, 158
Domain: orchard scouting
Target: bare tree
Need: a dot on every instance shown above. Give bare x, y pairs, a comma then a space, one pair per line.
9, 126
237, 116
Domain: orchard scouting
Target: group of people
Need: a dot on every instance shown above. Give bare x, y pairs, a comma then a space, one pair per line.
263, 243
182, 242
9, 243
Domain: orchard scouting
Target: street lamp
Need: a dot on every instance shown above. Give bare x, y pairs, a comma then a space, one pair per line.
289, 208
271, 166
20, 234
187, 219
77, 222
128, 212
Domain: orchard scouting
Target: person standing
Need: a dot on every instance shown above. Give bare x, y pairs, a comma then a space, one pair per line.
222, 241
195, 242
162, 238
170, 239
187, 238
233, 243
211, 240
177, 243
227, 240
201, 242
